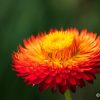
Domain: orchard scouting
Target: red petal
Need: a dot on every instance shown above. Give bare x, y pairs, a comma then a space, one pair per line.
94, 71
58, 79
31, 77
72, 81
78, 76
43, 75
80, 83
53, 73
43, 87
88, 76
48, 80
37, 81
62, 89
63, 82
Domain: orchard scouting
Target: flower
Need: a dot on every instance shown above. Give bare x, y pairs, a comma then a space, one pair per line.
61, 59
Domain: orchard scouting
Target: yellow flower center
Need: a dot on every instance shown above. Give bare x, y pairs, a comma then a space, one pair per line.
57, 41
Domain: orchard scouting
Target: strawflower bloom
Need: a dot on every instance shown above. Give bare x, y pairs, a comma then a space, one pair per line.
61, 59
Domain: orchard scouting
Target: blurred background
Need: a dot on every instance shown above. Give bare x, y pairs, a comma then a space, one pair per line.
21, 18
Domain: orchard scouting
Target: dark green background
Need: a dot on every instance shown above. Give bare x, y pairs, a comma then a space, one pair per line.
21, 18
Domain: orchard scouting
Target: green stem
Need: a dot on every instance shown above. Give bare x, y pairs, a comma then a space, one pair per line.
67, 95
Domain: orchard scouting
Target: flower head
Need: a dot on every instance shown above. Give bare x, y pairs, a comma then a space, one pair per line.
60, 59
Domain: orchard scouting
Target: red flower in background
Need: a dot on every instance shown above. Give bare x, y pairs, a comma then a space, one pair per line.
60, 59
